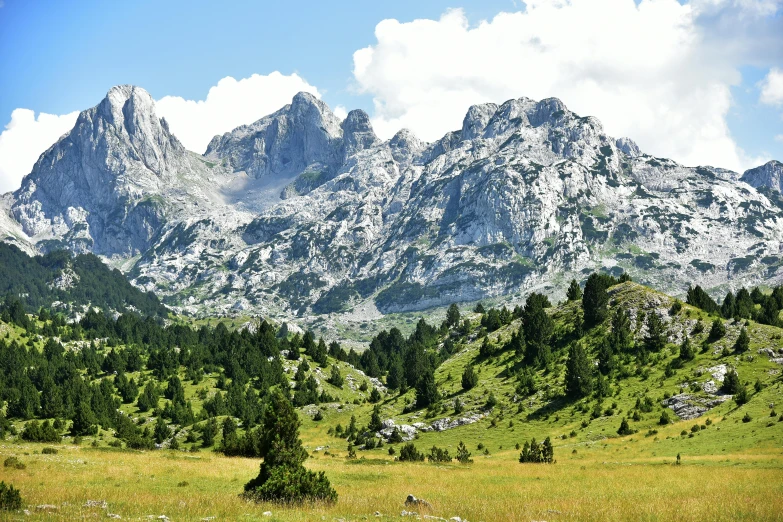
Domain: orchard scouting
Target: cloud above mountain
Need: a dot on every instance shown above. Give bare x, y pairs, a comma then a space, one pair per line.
654, 71
229, 104
24, 139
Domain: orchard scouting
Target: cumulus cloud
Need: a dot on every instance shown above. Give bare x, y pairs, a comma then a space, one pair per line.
645, 70
772, 87
340, 111
229, 104
24, 139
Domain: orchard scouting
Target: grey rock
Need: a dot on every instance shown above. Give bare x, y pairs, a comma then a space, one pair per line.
769, 176
324, 216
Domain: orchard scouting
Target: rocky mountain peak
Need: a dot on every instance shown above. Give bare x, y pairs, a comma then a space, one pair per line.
769, 175
302, 136
476, 120
358, 133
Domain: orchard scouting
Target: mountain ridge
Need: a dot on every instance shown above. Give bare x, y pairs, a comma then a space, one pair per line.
299, 213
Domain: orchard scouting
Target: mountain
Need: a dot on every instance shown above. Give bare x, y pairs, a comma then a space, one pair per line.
299, 213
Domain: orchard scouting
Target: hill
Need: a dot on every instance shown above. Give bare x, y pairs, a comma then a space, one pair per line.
71, 283
621, 399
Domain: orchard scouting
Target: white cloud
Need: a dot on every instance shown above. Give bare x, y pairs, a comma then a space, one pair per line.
229, 104
644, 70
772, 87
779, 138
340, 111
24, 139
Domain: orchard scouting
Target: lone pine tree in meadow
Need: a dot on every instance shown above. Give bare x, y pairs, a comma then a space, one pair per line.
283, 477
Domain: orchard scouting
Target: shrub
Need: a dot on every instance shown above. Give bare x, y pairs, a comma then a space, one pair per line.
747, 417
533, 452
469, 378
463, 455
665, 418
409, 453
624, 429
49, 451
10, 499
13, 462
439, 455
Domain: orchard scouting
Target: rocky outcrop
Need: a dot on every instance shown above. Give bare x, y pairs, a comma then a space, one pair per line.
769, 176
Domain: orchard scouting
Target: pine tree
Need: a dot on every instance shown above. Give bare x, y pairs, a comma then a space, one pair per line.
625, 428
452, 316
717, 331
283, 477
594, 300
463, 455
579, 378
162, 430
375, 419
469, 378
621, 337
728, 308
84, 420
208, 432
687, 351
574, 293
655, 339
743, 342
731, 382
426, 390
336, 379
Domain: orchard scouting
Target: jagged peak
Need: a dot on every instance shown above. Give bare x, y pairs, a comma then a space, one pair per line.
476, 119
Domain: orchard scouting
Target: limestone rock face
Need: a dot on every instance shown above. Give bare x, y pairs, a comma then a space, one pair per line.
769, 175
97, 189
300, 213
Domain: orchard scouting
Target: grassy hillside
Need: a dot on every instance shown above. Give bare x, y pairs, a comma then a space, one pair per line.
731, 462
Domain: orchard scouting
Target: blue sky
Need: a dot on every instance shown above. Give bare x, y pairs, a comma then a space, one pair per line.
699, 81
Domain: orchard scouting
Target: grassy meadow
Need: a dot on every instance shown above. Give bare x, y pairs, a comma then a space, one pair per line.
731, 457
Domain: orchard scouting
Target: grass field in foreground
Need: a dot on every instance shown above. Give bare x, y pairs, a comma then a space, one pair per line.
613, 481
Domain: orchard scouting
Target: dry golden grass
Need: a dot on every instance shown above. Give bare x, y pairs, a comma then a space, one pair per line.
183, 486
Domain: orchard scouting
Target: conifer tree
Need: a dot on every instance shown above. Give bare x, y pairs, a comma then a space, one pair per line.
594, 300
579, 377
283, 477
469, 378
452, 316
687, 351
427, 390
743, 342
655, 339
574, 293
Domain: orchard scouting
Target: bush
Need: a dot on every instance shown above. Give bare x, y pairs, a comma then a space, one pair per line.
533, 452
665, 418
13, 462
37, 432
463, 455
10, 499
439, 455
409, 453
469, 378
49, 451
747, 418
624, 429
